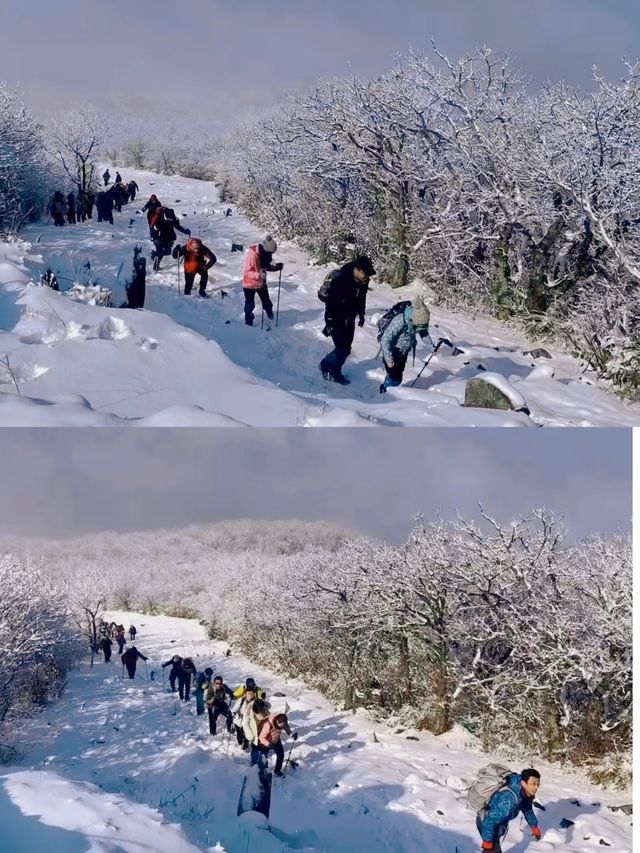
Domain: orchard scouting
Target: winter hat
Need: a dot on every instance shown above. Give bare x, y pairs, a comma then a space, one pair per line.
269, 244
176, 658
208, 671
250, 683
421, 314
364, 263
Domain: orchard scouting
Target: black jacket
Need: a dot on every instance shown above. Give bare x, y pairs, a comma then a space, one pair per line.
344, 297
131, 656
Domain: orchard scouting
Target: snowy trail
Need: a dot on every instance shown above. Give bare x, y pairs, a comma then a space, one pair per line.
184, 360
126, 766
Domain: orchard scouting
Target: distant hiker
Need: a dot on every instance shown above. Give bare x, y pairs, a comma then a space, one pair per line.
71, 209
120, 195
254, 717
175, 664
86, 200
508, 800
49, 279
398, 338
132, 632
202, 683
198, 260
136, 286
163, 233
152, 204
130, 659
218, 698
186, 672
118, 178
106, 175
257, 262
105, 644
58, 208
269, 738
133, 189
104, 206
120, 638
344, 293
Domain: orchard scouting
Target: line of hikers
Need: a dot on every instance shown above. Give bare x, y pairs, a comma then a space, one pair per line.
108, 633
256, 730
72, 209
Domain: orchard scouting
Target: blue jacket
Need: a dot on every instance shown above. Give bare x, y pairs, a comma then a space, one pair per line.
399, 338
504, 806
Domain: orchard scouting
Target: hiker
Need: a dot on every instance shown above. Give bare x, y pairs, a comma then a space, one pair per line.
132, 188
86, 200
249, 684
399, 339
515, 795
186, 672
130, 659
118, 178
202, 683
120, 638
105, 644
174, 663
241, 712
132, 632
254, 717
218, 699
49, 279
269, 738
198, 260
120, 195
104, 206
257, 262
71, 208
106, 176
344, 293
163, 233
152, 204
58, 208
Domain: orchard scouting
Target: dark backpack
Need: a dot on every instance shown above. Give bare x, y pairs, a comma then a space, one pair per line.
386, 318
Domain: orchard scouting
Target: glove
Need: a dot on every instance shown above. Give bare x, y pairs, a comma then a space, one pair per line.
390, 364
487, 845
176, 250
361, 320
536, 833
295, 737
187, 231
279, 266
327, 331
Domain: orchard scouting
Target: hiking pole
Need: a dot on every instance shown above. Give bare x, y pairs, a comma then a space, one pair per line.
435, 350
178, 275
278, 302
262, 319
288, 761
146, 670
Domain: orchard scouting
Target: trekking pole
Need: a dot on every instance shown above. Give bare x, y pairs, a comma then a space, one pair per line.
262, 319
146, 670
179, 275
435, 350
278, 301
289, 755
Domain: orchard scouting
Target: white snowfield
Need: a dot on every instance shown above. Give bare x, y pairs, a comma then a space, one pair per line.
184, 361
120, 765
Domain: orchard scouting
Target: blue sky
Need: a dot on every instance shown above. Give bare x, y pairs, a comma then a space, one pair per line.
225, 57
65, 482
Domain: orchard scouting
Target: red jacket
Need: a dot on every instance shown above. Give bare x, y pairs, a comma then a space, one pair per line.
254, 277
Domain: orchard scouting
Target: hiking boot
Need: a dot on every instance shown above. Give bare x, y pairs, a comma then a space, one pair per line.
203, 294
270, 316
327, 375
383, 388
248, 321
340, 379
279, 774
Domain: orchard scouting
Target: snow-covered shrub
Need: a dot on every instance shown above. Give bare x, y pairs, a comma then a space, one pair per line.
40, 644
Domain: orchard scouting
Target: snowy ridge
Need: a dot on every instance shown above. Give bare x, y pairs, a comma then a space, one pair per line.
187, 361
125, 766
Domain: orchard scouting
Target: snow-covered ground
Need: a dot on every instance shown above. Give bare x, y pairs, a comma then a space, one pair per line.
119, 765
188, 361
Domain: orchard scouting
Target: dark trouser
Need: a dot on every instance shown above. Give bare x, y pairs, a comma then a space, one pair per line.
342, 337
131, 669
250, 303
58, 219
162, 248
216, 711
121, 644
132, 195
184, 685
132, 635
260, 755
189, 279
105, 216
394, 374
172, 680
71, 217
107, 654
240, 735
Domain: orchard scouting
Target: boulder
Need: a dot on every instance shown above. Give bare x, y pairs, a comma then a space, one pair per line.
493, 392
537, 353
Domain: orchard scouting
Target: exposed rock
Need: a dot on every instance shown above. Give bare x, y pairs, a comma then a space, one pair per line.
537, 353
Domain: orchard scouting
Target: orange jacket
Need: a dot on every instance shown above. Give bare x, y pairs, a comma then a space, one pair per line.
201, 258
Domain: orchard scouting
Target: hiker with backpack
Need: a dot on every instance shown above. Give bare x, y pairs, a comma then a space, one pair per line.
106, 176
344, 293
218, 699
130, 659
269, 734
258, 261
105, 644
397, 331
498, 796
163, 233
175, 663
132, 189
203, 680
198, 260
186, 672
152, 204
